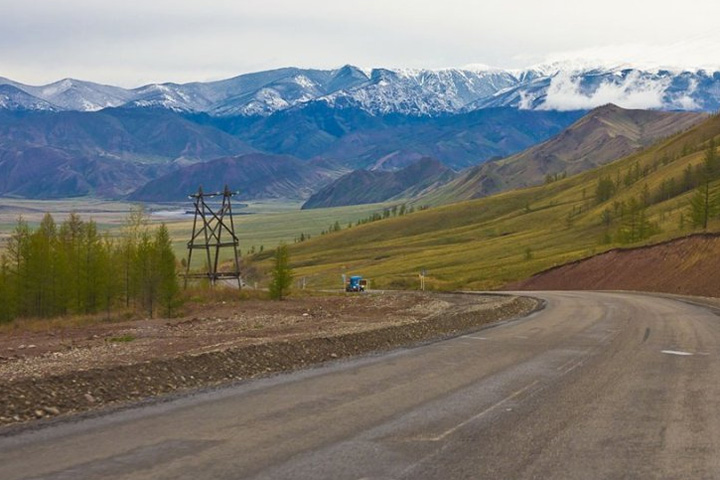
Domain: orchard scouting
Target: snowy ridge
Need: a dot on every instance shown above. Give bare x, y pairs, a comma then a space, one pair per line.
566, 85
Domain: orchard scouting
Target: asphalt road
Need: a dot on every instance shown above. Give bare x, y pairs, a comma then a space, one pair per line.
598, 385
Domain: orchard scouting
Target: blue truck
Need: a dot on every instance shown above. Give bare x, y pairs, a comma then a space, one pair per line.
355, 283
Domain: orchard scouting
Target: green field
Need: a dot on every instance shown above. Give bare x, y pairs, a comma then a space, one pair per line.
270, 223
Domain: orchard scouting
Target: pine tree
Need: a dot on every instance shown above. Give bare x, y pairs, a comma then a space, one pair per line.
711, 161
135, 225
168, 287
18, 254
6, 301
703, 206
282, 275
605, 190
143, 272
635, 225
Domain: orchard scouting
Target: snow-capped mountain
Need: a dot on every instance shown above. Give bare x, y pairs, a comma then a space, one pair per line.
568, 89
13, 98
70, 94
559, 86
422, 92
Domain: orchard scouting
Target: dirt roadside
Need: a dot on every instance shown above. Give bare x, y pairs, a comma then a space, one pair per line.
58, 373
684, 266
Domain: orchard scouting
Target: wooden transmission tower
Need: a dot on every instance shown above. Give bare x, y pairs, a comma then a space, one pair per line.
217, 231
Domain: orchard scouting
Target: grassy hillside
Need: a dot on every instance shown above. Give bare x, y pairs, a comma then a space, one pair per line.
602, 136
488, 242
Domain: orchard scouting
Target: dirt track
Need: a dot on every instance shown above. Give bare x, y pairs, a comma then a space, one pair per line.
51, 373
687, 266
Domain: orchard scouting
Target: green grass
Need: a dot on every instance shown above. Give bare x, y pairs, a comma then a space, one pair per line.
483, 244
274, 223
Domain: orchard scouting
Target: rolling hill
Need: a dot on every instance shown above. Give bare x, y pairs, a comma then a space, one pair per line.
367, 186
254, 176
603, 135
489, 242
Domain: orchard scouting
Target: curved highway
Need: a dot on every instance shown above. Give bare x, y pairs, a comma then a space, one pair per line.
597, 385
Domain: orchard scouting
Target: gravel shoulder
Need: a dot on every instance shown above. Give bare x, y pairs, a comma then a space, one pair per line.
61, 372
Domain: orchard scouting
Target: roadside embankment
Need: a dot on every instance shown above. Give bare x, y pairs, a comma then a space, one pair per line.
53, 384
685, 266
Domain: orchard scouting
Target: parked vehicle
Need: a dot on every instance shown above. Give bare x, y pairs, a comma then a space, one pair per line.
356, 283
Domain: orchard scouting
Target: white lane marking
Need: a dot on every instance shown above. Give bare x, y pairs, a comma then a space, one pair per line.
474, 338
484, 412
566, 364
578, 364
675, 352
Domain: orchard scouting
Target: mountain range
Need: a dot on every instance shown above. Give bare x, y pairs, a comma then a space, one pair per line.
367, 186
256, 175
382, 91
76, 138
605, 134
115, 151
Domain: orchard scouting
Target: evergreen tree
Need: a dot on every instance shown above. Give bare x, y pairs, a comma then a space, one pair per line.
6, 300
635, 224
711, 161
143, 273
605, 190
168, 287
19, 254
703, 206
282, 275
135, 224
73, 269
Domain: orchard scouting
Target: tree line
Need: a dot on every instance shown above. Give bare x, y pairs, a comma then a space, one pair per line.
72, 268
634, 224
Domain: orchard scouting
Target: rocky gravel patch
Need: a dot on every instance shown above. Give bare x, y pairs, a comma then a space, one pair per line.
56, 383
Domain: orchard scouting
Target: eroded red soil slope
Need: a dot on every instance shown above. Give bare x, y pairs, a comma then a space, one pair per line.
689, 265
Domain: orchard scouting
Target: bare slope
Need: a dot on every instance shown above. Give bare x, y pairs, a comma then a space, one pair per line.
689, 265
605, 134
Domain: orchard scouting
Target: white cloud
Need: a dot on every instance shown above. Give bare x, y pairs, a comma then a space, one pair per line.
685, 101
693, 53
137, 41
633, 91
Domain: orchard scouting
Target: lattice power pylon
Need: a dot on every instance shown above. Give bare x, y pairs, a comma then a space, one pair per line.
217, 232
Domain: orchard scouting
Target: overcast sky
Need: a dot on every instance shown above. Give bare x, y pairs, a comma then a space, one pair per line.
134, 42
